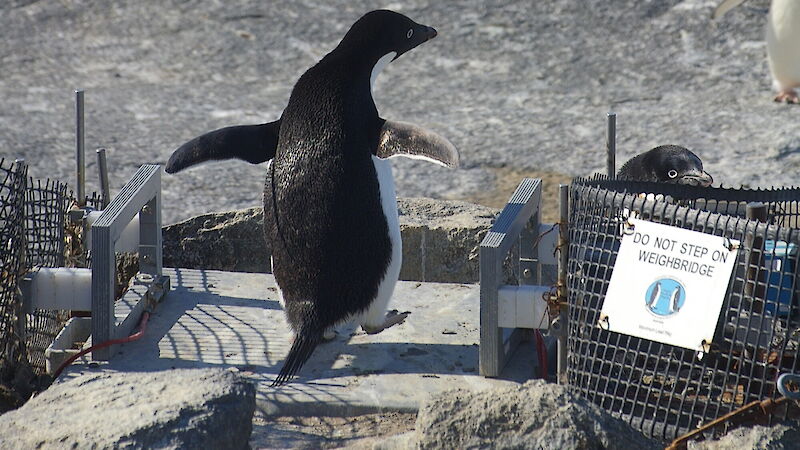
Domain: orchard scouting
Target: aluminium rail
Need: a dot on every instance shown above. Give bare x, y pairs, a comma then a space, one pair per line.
142, 196
507, 310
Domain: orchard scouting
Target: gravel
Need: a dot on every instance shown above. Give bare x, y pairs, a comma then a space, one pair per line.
513, 84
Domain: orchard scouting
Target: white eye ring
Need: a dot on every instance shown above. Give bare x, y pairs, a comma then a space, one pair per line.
672, 173
410, 33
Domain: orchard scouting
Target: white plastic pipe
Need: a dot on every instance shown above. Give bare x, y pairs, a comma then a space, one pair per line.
547, 244
127, 242
61, 288
522, 307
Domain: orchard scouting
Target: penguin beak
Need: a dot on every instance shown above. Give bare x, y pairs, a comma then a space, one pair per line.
697, 178
430, 33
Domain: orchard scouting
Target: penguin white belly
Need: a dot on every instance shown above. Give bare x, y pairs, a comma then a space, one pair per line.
375, 315
783, 43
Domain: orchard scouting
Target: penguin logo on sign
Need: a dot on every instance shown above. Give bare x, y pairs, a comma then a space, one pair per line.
665, 297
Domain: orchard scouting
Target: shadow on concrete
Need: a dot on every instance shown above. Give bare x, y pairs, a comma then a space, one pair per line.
218, 319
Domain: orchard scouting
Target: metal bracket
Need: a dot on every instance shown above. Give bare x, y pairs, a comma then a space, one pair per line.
500, 331
141, 195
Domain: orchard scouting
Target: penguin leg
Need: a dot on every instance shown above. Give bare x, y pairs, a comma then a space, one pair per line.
392, 318
787, 96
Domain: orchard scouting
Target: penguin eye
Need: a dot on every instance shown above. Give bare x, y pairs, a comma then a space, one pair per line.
672, 173
410, 33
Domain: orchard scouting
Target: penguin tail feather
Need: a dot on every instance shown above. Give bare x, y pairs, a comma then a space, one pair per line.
302, 348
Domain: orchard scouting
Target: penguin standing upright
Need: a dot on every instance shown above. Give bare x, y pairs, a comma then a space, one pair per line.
330, 211
783, 45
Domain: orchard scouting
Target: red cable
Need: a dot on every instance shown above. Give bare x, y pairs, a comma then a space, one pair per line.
541, 351
131, 338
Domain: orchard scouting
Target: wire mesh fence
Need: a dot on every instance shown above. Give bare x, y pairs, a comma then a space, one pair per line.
46, 205
661, 389
12, 265
34, 232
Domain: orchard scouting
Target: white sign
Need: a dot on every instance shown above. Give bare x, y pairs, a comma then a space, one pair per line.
668, 284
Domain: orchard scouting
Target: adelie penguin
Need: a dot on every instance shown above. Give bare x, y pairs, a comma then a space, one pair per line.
666, 164
783, 45
330, 211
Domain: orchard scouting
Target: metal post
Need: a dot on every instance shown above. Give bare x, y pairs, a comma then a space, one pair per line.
563, 253
103, 169
757, 211
81, 155
611, 144
754, 281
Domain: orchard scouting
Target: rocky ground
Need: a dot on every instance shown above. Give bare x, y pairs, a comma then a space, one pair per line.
520, 87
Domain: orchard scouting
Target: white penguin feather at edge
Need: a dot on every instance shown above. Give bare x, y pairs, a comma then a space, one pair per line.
374, 316
783, 36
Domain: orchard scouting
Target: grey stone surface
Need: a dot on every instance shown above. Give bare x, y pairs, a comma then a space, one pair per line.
233, 319
534, 415
441, 240
184, 408
513, 84
232, 241
778, 437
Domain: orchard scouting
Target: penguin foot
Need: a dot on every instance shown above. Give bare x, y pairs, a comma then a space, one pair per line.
329, 335
787, 96
392, 318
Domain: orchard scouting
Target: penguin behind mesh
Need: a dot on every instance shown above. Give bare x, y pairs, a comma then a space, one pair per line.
330, 210
666, 164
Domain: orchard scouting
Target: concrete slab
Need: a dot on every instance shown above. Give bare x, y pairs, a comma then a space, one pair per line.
231, 319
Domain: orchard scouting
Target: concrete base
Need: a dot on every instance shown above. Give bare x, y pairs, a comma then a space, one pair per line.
228, 319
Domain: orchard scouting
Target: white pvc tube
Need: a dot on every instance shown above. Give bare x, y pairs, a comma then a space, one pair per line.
62, 288
128, 240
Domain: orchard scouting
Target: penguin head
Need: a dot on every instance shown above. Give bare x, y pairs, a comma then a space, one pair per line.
383, 32
677, 165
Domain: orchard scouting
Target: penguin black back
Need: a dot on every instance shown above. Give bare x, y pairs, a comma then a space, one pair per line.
666, 164
323, 214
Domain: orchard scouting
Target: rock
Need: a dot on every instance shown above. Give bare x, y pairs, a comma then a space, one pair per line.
127, 267
231, 241
441, 240
535, 415
779, 436
201, 408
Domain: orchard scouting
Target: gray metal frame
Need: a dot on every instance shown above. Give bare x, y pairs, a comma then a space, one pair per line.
517, 223
141, 195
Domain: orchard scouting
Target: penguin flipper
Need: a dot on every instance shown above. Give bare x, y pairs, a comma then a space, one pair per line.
252, 143
302, 348
724, 7
412, 141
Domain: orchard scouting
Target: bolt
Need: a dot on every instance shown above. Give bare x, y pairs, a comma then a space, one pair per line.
145, 278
